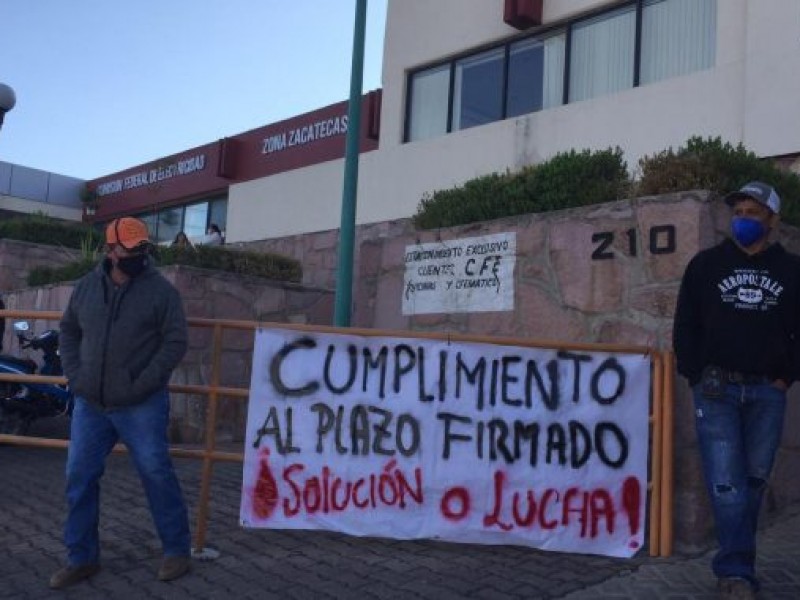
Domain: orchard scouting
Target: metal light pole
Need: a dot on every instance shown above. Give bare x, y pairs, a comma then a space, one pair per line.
344, 273
7, 101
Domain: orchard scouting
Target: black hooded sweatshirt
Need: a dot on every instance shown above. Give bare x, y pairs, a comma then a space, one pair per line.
739, 312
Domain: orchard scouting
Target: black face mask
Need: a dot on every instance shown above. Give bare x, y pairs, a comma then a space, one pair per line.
133, 265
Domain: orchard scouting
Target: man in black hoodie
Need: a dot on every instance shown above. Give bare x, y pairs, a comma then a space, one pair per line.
123, 333
737, 341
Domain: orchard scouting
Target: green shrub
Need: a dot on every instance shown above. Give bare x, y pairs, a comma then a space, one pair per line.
568, 179
70, 272
221, 258
480, 199
711, 164
579, 179
271, 266
41, 229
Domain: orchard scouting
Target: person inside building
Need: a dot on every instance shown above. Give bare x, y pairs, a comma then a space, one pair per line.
214, 236
182, 241
123, 333
737, 341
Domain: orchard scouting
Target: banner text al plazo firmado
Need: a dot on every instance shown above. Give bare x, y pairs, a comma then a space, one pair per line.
462, 441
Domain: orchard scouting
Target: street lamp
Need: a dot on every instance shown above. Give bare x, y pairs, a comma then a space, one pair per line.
7, 100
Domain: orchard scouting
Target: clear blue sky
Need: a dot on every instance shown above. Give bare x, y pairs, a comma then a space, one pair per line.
104, 85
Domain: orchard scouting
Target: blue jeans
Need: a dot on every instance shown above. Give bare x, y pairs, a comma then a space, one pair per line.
739, 435
143, 429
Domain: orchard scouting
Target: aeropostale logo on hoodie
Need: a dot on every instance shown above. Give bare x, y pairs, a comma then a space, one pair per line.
750, 289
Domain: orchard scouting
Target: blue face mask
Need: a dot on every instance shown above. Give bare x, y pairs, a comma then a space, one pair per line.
747, 231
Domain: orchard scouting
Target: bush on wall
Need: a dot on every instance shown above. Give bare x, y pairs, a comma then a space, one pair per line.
581, 178
242, 262
711, 164
269, 266
69, 272
41, 229
567, 180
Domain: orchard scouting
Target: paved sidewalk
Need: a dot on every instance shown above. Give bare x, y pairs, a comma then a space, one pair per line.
284, 564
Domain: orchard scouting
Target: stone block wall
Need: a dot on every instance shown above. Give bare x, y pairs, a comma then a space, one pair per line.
18, 258
217, 295
561, 291
607, 273
317, 252
212, 295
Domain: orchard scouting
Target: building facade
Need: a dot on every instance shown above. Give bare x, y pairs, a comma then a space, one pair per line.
191, 190
472, 87
24, 190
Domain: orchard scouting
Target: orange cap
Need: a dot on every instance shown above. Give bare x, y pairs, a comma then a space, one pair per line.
127, 232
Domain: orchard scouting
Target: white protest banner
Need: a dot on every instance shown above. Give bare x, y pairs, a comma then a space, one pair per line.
464, 275
462, 441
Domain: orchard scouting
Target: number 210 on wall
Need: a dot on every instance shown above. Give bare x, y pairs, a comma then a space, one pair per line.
661, 240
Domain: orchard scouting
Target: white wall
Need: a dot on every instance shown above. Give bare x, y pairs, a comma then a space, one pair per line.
307, 199
772, 82
20, 205
641, 121
424, 31
752, 96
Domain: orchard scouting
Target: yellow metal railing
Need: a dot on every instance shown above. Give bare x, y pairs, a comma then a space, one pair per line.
660, 484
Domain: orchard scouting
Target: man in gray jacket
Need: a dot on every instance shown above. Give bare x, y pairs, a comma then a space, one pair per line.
123, 333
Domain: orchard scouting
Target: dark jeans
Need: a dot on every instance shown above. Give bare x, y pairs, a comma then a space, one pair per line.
738, 435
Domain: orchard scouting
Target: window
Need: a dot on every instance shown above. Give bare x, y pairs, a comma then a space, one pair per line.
193, 219
602, 55
170, 222
150, 220
430, 90
672, 38
478, 92
218, 213
535, 75
678, 37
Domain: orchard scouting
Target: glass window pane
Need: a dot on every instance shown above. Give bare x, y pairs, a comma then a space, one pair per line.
525, 70
555, 57
169, 223
149, 219
678, 37
535, 75
218, 213
601, 61
478, 93
195, 219
430, 91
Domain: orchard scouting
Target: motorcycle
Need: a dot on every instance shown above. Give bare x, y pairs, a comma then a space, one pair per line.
23, 403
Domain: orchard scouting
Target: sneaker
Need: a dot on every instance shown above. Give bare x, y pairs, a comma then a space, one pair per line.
736, 588
72, 575
173, 567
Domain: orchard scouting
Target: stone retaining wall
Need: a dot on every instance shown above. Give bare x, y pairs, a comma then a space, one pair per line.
607, 273
563, 293
18, 258
212, 295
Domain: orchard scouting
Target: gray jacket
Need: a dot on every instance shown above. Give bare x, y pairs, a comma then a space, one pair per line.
119, 345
